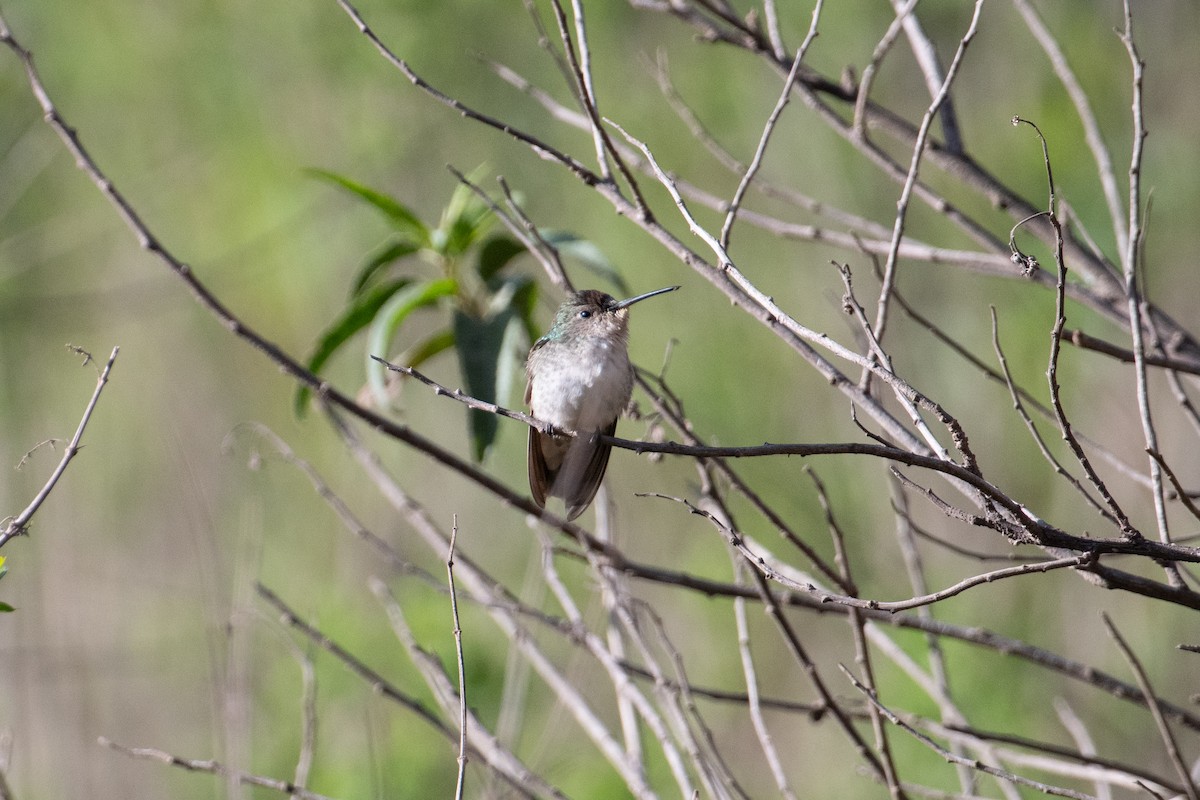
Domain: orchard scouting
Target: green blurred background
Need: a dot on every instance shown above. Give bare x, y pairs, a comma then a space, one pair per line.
136, 619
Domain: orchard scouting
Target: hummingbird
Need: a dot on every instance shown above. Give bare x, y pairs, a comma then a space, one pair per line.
580, 379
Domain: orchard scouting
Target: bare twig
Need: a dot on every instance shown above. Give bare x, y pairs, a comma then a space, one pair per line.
1083, 340
1164, 730
773, 118
1129, 260
1056, 791
1083, 739
1091, 128
753, 701
862, 651
918, 151
1035, 434
1042, 531
462, 668
214, 768
479, 739
1056, 333
20, 523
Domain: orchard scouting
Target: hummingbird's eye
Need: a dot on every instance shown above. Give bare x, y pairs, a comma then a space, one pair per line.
584, 314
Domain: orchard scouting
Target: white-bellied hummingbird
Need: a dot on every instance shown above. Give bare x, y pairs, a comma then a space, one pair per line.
580, 379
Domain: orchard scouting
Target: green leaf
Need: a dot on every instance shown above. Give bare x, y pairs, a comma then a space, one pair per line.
401, 217
464, 221
588, 254
524, 303
392, 250
390, 317
5, 608
495, 255
358, 315
480, 347
427, 348
512, 358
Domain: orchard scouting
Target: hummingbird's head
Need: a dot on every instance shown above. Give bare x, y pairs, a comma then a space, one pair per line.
593, 313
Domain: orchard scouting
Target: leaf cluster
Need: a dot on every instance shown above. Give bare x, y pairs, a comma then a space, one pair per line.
488, 307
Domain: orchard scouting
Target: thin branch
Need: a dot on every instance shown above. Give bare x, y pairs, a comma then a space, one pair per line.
918, 151
1091, 128
1083, 340
377, 682
1160, 721
773, 118
1056, 333
975, 764
526, 232
927, 59
754, 707
867, 80
906, 531
308, 706
1083, 740
670, 407
480, 739
1034, 433
862, 652
19, 524
1054, 759
213, 768
581, 68
462, 668
1180, 492
1084, 673
748, 295
1043, 532
1130, 262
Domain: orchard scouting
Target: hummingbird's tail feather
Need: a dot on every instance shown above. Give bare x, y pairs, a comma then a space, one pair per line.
540, 476
568, 468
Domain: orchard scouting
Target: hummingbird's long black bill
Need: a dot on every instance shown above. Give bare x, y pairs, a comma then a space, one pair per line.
641, 297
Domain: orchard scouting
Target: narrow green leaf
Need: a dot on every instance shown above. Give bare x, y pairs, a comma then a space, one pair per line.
512, 358
427, 348
588, 254
495, 255
6, 608
464, 221
354, 318
524, 304
480, 345
401, 217
390, 318
392, 250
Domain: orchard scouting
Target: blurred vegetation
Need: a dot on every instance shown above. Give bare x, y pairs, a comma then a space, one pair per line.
135, 618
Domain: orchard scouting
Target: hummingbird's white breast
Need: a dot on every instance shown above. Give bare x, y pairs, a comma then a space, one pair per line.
586, 391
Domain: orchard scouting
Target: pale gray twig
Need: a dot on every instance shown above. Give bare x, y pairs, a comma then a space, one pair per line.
1160, 721
1091, 128
479, 738
773, 118
918, 151
975, 764
15, 526
462, 666
213, 767
1083, 740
